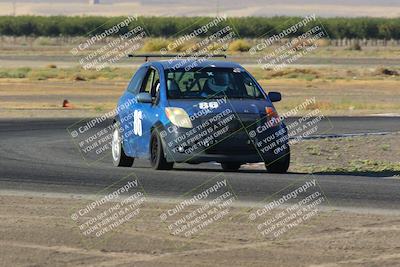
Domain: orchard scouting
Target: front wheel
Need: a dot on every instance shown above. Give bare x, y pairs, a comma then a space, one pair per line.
280, 165
120, 159
157, 158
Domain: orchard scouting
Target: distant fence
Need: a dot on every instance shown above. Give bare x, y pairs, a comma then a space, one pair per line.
364, 42
29, 41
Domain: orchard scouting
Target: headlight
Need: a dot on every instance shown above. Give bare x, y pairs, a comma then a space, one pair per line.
178, 117
272, 116
271, 113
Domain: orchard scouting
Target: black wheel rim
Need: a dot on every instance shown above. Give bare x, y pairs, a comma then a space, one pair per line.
154, 150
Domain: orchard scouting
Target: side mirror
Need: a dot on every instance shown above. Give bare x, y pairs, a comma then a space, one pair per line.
274, 96
144, 98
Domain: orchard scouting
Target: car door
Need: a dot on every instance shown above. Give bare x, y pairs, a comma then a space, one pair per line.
126, 111
146, 114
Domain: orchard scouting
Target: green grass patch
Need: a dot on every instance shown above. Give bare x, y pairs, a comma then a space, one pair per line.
18, 73
76, 74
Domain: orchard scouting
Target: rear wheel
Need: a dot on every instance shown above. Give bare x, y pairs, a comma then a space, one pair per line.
120, 159
280, 165
157, 159
230, 166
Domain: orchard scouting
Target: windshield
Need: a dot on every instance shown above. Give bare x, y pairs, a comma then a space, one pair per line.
211, 83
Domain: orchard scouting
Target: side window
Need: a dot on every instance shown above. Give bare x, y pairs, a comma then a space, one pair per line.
251, 88
134, 84
156, 84
152, 83
148, 82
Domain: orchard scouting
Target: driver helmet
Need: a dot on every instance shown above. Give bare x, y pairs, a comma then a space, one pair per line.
219, 82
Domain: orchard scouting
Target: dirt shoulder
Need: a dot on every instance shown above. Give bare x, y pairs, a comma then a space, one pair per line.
41, 99
38, 231
351, 155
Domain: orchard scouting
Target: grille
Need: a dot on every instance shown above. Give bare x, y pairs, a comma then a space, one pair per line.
236, 144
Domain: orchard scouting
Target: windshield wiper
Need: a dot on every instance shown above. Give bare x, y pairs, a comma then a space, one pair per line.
246, 97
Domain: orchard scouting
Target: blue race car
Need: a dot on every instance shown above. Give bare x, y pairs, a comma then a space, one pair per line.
192, 111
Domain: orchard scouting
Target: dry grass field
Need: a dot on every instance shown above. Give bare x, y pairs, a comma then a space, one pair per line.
338, 91
41, 229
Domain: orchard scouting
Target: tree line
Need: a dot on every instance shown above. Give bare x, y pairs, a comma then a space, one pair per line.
245, 27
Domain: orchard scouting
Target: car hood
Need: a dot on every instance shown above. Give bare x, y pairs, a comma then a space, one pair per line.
240, 106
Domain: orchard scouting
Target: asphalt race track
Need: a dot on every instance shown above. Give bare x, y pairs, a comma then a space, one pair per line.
38, 155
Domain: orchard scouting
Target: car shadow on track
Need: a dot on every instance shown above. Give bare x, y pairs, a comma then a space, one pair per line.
379, 174
214, 168
217, 170
188, 169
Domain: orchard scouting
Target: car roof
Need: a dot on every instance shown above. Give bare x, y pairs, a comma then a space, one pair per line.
198, 63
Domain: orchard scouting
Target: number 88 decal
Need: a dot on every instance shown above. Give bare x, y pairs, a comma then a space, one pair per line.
208, 105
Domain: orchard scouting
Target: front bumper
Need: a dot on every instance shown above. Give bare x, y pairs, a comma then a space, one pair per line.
233, 142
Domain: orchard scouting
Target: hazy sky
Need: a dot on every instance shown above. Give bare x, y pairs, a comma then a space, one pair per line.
326, 8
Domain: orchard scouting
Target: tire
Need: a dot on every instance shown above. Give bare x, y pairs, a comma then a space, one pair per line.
120, 159
230, 166
280, 165
157, 159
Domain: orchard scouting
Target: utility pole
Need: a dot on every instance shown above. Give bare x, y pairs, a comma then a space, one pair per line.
217, 8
